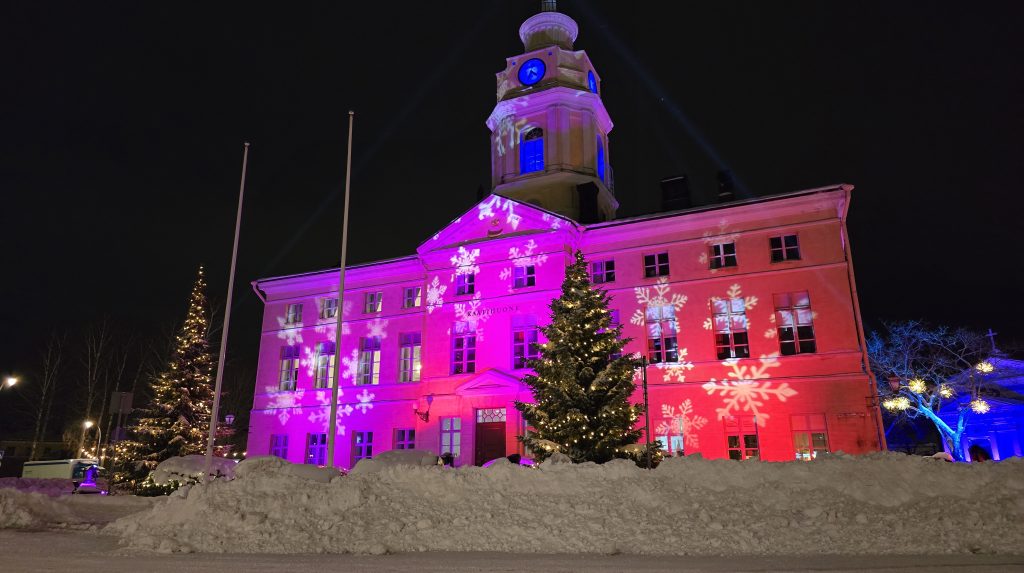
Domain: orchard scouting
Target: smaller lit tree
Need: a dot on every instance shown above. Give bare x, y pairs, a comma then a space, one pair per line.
919, 368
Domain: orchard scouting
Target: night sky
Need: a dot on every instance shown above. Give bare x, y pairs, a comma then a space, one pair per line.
122, 130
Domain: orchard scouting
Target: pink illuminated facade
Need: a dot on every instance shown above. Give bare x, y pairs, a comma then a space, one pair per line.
747, 310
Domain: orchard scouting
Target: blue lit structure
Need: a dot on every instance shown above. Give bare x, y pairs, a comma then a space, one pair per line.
532, 72
591, 81
999, 433
531, 151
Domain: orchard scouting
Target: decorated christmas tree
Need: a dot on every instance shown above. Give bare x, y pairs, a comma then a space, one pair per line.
582, 384
176, 421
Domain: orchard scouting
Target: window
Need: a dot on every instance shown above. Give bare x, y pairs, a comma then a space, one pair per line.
316, 449
293, 313
741, 437
656, 265
411, 297
524, 346
810, 437
362, 446
279, 446
673, 444
289, 368
531, 151
409, 357
372, 302
328, 308
794, 321
603, 271
451, 437
523, 276
405, 439
723, 255
730, 322
324, 363
600, 160
369, 360
464, 283
463, 349
662, 344
488, 415
784, 248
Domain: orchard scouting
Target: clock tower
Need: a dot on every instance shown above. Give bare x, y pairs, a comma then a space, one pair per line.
549, 129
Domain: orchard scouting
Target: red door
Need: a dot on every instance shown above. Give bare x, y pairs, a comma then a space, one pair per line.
490, 441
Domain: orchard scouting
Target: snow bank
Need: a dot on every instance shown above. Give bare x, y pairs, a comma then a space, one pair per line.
884, 503
22, 510
190, 468
52, 487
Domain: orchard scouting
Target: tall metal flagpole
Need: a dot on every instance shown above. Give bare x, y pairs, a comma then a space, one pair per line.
215, 410
332, 429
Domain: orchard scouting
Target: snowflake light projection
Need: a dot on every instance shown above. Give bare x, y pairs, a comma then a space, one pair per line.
719, 235
322, 416
676, 370
551, 220
350, 366
435, 294
508, 128
377, 327
748, 390
290, 333
464, 262
683, 423
490, 208
283, 405
749, 302
770, 332
365, 401
663, 296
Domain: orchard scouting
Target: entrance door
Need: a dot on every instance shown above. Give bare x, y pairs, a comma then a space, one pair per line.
490, 435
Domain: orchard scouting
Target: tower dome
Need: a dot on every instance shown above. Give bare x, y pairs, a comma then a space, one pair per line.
548, 28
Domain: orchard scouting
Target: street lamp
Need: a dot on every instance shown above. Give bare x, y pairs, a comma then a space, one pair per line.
10, 381
99, 436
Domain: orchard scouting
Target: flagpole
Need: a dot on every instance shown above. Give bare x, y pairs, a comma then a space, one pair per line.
332, 428
215, 410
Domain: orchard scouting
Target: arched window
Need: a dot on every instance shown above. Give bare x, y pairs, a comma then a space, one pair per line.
591, 81
531, 151
600, 159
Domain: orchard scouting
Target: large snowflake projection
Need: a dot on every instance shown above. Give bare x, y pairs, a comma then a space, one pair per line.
719, 235
350, 366
365, 401
493, 206
469, 312
748, 389
435, 294
283, 405
329, 326
464, 262
661, 297
770, 332
290, 333
551, 220
322, 416
377, 327
734, 291
506, 136
681, 422
676, 370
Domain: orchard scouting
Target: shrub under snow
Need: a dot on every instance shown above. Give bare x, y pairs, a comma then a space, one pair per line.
883, 503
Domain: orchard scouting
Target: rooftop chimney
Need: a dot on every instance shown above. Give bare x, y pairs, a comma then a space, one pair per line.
726, 186
675, 193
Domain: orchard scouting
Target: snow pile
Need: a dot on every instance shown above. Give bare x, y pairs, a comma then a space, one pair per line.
46, 486
22, 510
884, 503
396, 458
184, 469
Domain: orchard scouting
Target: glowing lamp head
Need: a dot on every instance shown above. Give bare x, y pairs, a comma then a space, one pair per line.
979, 406
985, 367
87, 424
897, 404
917, 386
10, 381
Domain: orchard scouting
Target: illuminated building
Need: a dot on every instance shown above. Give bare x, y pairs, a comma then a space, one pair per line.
747, 309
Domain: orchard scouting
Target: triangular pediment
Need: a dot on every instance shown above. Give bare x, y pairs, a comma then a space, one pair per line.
496, 217
490, 382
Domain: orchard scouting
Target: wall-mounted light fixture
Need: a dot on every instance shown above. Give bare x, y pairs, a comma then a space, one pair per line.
424, 415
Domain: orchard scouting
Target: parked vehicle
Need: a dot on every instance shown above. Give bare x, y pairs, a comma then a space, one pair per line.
83, 473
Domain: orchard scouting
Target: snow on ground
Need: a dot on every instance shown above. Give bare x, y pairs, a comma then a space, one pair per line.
29, 509
47, 486
879, 504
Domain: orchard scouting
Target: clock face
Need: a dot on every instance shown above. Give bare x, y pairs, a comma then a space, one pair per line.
591, 81
531, 72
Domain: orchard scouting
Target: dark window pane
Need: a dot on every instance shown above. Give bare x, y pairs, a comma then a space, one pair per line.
805, 332
750, 440
786, 334
792, 253
734, 441
735, 455
790, 240
808, 346
742, 352
730, 248
787, 348
777, 256
740, 338
775, 242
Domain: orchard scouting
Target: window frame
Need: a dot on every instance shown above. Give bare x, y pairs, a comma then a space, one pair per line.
368, 368
327, 310
524, 276
362, 446
323, 373
658, 266
783, 252
412, 297
801, 338
722, 255
742, 427
659, 349
525, 350
279, 446
404, 438
293, 313
531, 151
465, 284
288, 369
373, 302
316, 449
603, 269
734, 341
808, 426
454, 434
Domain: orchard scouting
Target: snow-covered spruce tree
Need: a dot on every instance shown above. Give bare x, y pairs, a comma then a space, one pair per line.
581, 390
176, 421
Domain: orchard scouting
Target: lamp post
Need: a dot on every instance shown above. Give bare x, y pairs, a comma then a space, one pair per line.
99, 437
647, 412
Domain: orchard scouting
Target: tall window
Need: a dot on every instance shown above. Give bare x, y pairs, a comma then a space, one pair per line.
369, 360
531, 151
405, 439
600, 159
409, 357
524, 276
524, 346
463, 349
316, 449
662, 341
464, 283
293, 313
289, 371
795, 323
325, 357
451, 437
362, 446
279, 446
602, 271
328, 308
656, 265
372, 301
810, 436
784, 248
741, 437
411, 297
730, 320
723, 255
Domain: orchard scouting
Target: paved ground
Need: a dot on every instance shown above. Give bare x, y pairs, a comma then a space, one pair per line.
86, 551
